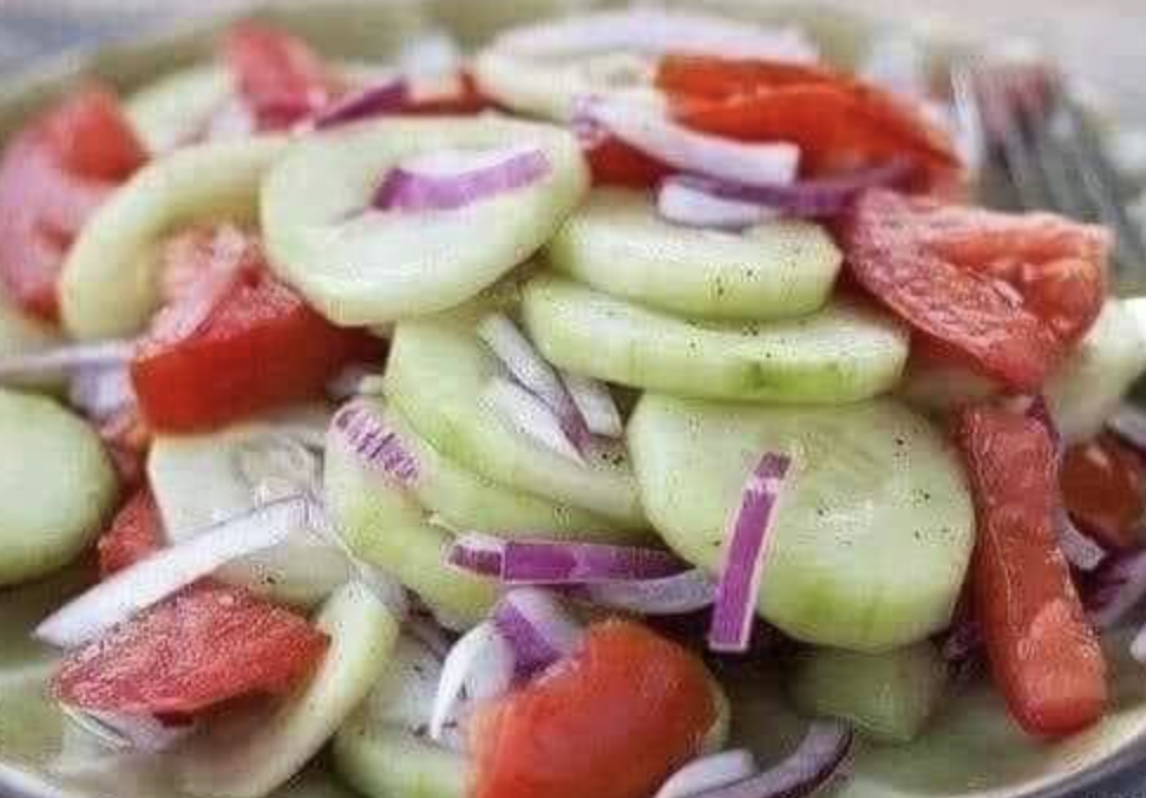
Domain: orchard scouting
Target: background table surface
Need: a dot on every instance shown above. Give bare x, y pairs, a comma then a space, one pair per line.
1102, 40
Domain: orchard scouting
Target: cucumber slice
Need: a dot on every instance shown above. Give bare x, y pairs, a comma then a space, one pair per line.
258, 754
359, 266
387, 762
888, 697
465, 500
56, 487
436, 374
201, 479
108, 287
21, 334
843, 353
873, 537
385, 526
619, 244
172, 109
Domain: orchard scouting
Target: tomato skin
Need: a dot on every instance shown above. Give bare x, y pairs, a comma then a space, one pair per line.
615, 163
613, 721
1045, 657
53, 176
206, 645
279, 77
236, 343
1104, 491
1010, 312
840, 123
136, 532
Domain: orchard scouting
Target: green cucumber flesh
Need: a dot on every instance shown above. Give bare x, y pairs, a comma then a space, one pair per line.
360, 266
57, 487
109, 286
260, 753
888, 697
389, 762
172, 109
388, 528
436, 374
873, 536
618, 243
842, 353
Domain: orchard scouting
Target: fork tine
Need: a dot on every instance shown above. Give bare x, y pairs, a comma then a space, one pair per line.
1065, 188
1023, 169
969, 117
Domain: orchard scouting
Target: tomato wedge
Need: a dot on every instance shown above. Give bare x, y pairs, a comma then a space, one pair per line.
612, 722
53, 175
135, 533
1103, 485
840, 123
280, 78
1007, 295
236, 342
1045, 657
206, 645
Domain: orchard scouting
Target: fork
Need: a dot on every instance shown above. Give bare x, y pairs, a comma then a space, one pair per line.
1052, 154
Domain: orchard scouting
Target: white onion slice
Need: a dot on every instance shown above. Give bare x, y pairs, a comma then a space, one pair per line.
595, 404
67, 359
128, 732
672, 595
684, 204
538, 629
648, 130
657, 31
102, 392
529, 415
746, 553
709, 772
481, 663
1138, 645
153, 579
451, 179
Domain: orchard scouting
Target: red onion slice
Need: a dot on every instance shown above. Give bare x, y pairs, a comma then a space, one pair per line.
481, 554
555, 562
452, 179
382, 98
746, 553
682, 203
1116, 589
1080, 550
153, 579
1128, 425
538, 629
708, 773
648, 130
656, 31
822, 753
595, 404
681, 594
819, 198
530, 416
480, 665
376, 444
67, 359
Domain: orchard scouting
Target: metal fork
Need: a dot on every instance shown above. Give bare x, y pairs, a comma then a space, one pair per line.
1052, 156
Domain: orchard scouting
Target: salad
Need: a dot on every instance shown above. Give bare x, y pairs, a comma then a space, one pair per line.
474, 419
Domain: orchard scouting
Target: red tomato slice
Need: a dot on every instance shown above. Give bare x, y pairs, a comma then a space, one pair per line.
612, 722
1103, 485
615, 163
279, 76
1045, 657
840, 123
1006, 295
237, 343
135, 533
53, 175
206, 645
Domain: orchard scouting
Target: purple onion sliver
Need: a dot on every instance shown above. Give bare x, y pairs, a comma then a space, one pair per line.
824, 751
562, 563
962, 642
375, 444
382, 98
411, 189
683, 593
538, 629
1081, 551
745, 556
1128, 426
481, 554
1116, 589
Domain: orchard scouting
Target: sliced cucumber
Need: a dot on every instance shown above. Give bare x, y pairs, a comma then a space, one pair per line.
20, 334
388, 762
872, 540
56, 487
843, 353
172, 109
619, 244
108, 287
360, 266
201, 479
436, 374
465, 500
888, 697
258, 754
386, 526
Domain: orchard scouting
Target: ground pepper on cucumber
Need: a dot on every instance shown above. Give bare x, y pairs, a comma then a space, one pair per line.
418, 400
